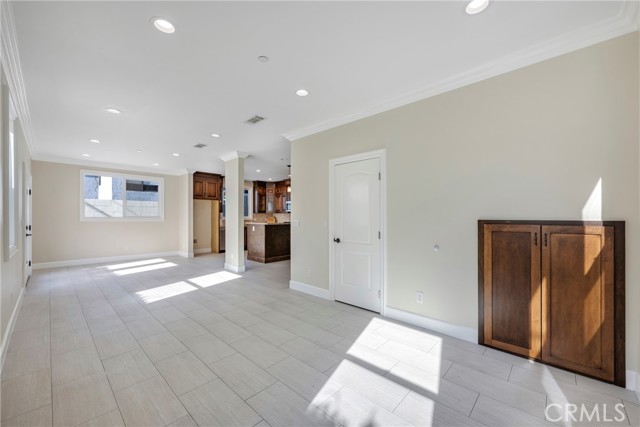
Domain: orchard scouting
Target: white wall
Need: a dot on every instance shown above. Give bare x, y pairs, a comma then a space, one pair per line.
11, 272
202, 224
59, 235
529, 144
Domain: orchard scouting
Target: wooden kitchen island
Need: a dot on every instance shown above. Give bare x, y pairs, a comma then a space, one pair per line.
268, 242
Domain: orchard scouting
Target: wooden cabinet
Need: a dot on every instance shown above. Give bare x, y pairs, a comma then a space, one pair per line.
206, 186
278, 193
281, 196
555, 292
259, 197
512, 288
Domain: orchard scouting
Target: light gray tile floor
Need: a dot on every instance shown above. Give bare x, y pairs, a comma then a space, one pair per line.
193, 345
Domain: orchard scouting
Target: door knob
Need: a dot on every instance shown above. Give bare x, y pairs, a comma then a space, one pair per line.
337, 240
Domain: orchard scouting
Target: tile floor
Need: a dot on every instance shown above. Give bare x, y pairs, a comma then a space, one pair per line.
180, 342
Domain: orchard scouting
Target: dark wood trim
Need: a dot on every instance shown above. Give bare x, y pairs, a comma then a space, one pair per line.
619, 285
268, 260
481, 282
619, 301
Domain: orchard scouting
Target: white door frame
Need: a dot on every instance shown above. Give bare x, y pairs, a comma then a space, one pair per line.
382, 156
27, 215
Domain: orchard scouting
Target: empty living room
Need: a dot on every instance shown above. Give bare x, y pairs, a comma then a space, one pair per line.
319, 213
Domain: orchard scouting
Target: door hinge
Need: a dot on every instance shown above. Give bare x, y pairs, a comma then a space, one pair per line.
379, 176
379, 236
378, 293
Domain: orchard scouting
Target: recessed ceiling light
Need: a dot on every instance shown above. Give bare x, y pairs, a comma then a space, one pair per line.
113, 110
302, 92
156, 164
263, 58
270, 179
95, 141
476, 6
176, 154
163, 25
215, 135
258, 170
86, 155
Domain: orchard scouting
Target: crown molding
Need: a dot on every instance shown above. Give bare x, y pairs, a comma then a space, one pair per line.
233, 155
10, 58
114, 166
625, 21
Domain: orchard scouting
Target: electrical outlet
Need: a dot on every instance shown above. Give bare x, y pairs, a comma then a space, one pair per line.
419, 297
195, 240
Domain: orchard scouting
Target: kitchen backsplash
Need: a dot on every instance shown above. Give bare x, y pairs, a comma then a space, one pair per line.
261, 217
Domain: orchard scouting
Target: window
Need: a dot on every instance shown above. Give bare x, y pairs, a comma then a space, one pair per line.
10, 190
248, 202
110, 196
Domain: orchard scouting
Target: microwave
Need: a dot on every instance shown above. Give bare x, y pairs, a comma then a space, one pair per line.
287, 206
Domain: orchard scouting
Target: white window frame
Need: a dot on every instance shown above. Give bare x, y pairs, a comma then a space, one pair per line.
10, 178
125, 177
249, 188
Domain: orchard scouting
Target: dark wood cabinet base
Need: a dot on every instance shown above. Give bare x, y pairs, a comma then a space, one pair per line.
268, 260
554, 292
268, 242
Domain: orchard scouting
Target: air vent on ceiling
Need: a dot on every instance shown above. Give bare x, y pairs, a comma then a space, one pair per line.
200, 145
255, 119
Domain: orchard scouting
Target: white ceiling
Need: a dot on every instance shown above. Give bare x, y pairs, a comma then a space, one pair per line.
355, 58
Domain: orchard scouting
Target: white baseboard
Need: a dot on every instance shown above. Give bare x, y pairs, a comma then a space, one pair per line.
456, 331
235, 268
10, 327
309, 289
202, 251
184, 254
633, 381
102, 260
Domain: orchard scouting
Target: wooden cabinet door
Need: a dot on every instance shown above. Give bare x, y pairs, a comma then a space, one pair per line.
198, 189
512, 288
578, 299
211, 190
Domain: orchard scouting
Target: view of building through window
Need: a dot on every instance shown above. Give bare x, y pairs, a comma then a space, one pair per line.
110, 196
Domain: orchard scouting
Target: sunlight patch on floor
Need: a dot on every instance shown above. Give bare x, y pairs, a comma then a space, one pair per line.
163, 292
134, 264
366, 375
144, 268
214, 279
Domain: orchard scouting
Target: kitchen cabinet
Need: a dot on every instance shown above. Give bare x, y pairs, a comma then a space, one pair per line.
259, 197
269, 242
281, 196
206, 186
554, 292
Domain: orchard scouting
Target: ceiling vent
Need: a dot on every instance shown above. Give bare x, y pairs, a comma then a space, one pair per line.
200, 145
255, 119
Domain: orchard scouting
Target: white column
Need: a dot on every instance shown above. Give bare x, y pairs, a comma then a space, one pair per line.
234, 215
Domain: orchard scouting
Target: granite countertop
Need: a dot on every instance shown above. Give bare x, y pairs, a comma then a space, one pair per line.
266, 223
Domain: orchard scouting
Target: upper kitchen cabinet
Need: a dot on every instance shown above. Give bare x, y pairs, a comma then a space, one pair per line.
206, 186
278, 193
259, 197
282, 195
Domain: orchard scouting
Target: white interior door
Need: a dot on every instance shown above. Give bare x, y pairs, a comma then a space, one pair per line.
357, 259
26, 212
